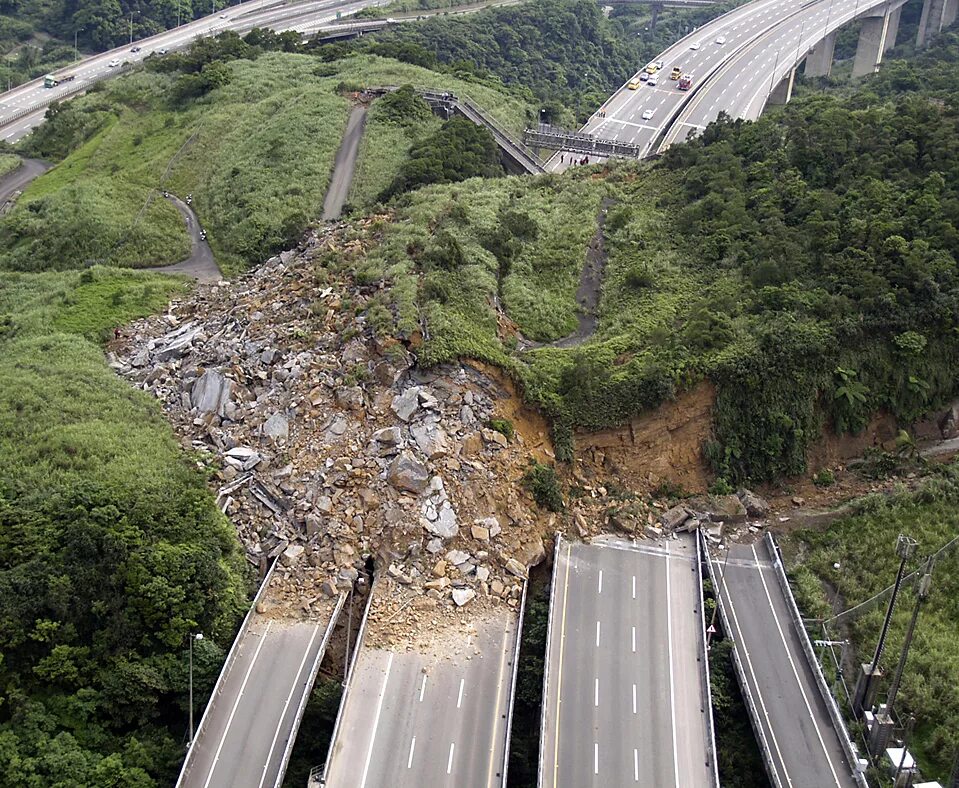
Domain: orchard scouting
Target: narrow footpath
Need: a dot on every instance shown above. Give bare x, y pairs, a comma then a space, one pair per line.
17, 180
201, 264
344, 165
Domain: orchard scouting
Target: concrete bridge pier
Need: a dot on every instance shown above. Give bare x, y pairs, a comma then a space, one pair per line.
819, 61
784, 90
936, 14
876, 31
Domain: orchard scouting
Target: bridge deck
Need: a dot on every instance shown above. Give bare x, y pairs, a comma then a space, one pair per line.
803, 748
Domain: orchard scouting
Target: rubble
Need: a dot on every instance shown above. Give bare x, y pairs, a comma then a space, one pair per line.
331, 452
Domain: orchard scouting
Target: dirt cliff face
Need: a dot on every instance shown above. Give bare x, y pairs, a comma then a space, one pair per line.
662, 446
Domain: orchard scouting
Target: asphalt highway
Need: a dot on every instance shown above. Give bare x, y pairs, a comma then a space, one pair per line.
244, 738
624, 702
413, 719
742, 85
805, 748
23, 108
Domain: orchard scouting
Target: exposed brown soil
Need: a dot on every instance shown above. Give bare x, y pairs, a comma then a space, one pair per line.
662, 446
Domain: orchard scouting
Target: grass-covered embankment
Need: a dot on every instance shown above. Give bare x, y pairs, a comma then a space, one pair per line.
112, 550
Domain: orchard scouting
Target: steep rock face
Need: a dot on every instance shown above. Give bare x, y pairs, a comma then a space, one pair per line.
663, 445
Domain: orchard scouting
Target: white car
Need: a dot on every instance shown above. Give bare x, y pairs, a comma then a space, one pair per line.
162, 50
721, 40
696, 45
652, 80
658, 64
113, 63
648, 114
224, 16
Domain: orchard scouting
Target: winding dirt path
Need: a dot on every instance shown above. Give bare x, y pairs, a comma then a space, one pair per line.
344, 164
18, 179
201, 264
589, 291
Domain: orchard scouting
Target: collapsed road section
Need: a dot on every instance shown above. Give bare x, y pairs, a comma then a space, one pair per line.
431, 710
626, 692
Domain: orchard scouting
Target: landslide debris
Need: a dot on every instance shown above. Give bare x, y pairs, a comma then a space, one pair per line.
327, 446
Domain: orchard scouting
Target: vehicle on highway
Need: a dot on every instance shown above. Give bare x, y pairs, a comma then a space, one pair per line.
676, 73
696, 45
647, 114
224, 16
652, 80
643, 77
658, 64
634, 83
113, 63
162, 51
720, 39
52, 80
685, 82
134, 49
652, 68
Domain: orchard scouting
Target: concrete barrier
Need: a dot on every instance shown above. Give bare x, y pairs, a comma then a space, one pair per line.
225, 670
549, 636
512, 685
832, 707
701, 555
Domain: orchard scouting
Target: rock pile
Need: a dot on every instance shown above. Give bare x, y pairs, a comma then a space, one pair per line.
329, 448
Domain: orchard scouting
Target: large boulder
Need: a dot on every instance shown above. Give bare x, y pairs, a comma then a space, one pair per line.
406, 404
211, 393
408, 473
755, 505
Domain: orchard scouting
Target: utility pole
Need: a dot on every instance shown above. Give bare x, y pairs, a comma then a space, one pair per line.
883, 725
76, 55
902, 760
865, 693
131, 27
197, 636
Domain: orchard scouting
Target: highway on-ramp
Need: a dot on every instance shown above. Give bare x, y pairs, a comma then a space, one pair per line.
624, 702
415, 717
246, 734
804, 749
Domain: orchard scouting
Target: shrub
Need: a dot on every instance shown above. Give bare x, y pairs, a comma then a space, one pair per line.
542, 482
504, 426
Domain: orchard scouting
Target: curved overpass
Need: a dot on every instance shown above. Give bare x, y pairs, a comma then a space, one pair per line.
745, 59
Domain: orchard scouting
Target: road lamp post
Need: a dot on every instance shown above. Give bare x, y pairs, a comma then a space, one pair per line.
76, 54
197, 636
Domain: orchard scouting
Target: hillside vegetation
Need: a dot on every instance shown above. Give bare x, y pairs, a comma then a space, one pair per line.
806, 264
864, 547
112, 550
250, 133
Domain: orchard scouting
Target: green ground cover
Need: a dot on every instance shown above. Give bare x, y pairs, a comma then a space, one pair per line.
8, 163
112, 549
863, 545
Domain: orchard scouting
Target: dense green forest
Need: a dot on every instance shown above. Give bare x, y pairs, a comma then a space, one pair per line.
565, 53
112, 550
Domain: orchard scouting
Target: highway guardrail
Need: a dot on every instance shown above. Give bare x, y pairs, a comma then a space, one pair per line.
549, 635
835, 715
704, 678
512, 685
224, 671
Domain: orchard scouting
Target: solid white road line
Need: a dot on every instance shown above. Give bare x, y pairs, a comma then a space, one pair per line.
293, 689
740, 643
635, 765
596, 693
597, 634
459, 698
792, 664
634, 586
376, 720
409, 761
634, 640
595, 757
422, 688
672, 683
449, 761
249, 670
600, 589
634, 698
